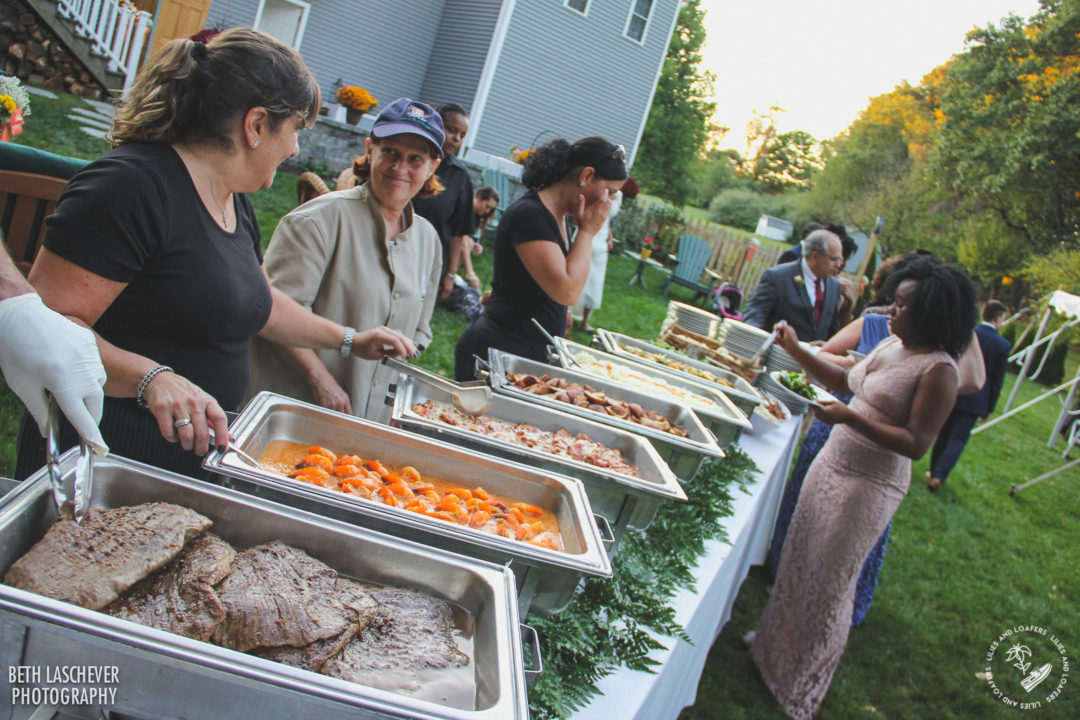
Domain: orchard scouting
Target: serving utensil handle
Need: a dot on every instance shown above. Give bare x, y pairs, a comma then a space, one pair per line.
536, 663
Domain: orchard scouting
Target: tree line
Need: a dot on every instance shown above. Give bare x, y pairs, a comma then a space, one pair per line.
979, 162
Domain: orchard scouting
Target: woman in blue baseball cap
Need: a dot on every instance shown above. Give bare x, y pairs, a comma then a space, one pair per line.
361, 257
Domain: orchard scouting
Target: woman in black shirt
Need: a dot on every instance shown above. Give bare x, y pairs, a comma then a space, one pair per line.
155, 247
539, 271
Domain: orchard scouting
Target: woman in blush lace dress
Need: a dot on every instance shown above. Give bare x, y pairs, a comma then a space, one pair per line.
903, 393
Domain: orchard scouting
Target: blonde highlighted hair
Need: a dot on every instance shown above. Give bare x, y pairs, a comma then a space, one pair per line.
197, 93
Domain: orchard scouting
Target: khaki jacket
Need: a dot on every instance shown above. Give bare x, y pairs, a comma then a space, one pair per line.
330, 254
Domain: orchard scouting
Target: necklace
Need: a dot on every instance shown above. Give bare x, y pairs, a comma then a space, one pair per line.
224, 220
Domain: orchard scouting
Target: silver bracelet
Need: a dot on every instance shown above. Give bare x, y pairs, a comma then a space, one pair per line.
346, 343
139, 400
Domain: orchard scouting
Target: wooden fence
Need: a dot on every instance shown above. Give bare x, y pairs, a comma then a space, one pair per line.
736, 258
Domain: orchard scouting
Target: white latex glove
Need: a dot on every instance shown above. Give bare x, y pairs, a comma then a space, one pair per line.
42, 350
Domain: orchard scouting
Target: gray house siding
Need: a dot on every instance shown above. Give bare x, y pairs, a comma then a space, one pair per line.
382, 45
461, 47
550, 83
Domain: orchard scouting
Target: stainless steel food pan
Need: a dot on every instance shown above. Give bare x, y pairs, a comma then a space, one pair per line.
724, 419
546, 578
625, 500
161, 675
683, 455
743, 394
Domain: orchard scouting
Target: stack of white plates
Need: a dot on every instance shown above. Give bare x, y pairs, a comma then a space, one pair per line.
693, 319
742, 339
777, 358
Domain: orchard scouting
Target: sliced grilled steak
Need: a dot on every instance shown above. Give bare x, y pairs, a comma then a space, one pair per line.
312, 657
411, 631
277, 595
92, 562
180, 597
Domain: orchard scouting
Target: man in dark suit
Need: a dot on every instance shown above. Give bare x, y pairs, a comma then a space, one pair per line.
977, 405
805, 292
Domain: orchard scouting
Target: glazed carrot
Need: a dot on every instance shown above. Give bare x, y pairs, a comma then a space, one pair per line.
349, 460
306, 472
410, 473
479, 518
345, 470
317, 450
480, 493
449, 503
529, 509
316, 460
462, 493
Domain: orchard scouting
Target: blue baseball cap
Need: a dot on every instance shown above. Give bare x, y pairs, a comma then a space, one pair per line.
413, 117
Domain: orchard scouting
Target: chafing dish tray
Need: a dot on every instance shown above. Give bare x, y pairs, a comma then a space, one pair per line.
683, 455
626, 501
743, 394
546, 579
162, 675
724, 419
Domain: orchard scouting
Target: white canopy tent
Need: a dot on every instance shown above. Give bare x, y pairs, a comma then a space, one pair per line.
1069, 306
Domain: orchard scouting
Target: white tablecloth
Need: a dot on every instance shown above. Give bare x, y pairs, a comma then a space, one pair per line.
720, 572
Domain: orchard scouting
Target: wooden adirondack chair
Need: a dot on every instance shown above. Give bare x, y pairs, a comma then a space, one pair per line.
694, 253
501, 183
31, 181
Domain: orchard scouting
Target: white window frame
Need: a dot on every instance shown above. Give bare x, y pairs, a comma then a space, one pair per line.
582, 13
648, 22
305, 9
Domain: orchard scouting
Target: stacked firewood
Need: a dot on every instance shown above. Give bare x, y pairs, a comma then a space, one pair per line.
30, 51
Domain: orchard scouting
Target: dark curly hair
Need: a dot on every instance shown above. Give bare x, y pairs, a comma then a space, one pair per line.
551, 162
941, 310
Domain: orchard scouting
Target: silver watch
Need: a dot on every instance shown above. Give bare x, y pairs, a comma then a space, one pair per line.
346, 342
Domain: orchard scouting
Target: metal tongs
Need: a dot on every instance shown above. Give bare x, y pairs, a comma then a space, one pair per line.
755, 362
83, 484
570, 361
232, 447
475, 399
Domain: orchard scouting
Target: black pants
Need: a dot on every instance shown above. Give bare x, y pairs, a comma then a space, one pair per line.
129, 431
950, 443
484, 334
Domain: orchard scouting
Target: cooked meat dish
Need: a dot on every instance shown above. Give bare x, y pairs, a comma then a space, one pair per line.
408, 489
677, 365
410, 631
180, 598
585, 396
356, 599
273, 600
278, 595
90, 563
640, 378
559, 443
711, 350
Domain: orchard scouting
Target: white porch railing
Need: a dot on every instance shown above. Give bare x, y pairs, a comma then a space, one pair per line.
116, 29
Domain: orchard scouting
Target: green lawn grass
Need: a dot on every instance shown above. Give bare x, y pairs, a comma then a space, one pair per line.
962, 565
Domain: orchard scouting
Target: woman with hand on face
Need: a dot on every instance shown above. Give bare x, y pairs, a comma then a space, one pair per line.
903, 392
539, 270
155, 247
362, 257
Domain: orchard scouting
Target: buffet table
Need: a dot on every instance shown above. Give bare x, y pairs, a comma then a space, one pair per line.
703, 612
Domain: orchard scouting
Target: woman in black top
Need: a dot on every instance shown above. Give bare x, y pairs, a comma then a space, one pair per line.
538, 270
155, 247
